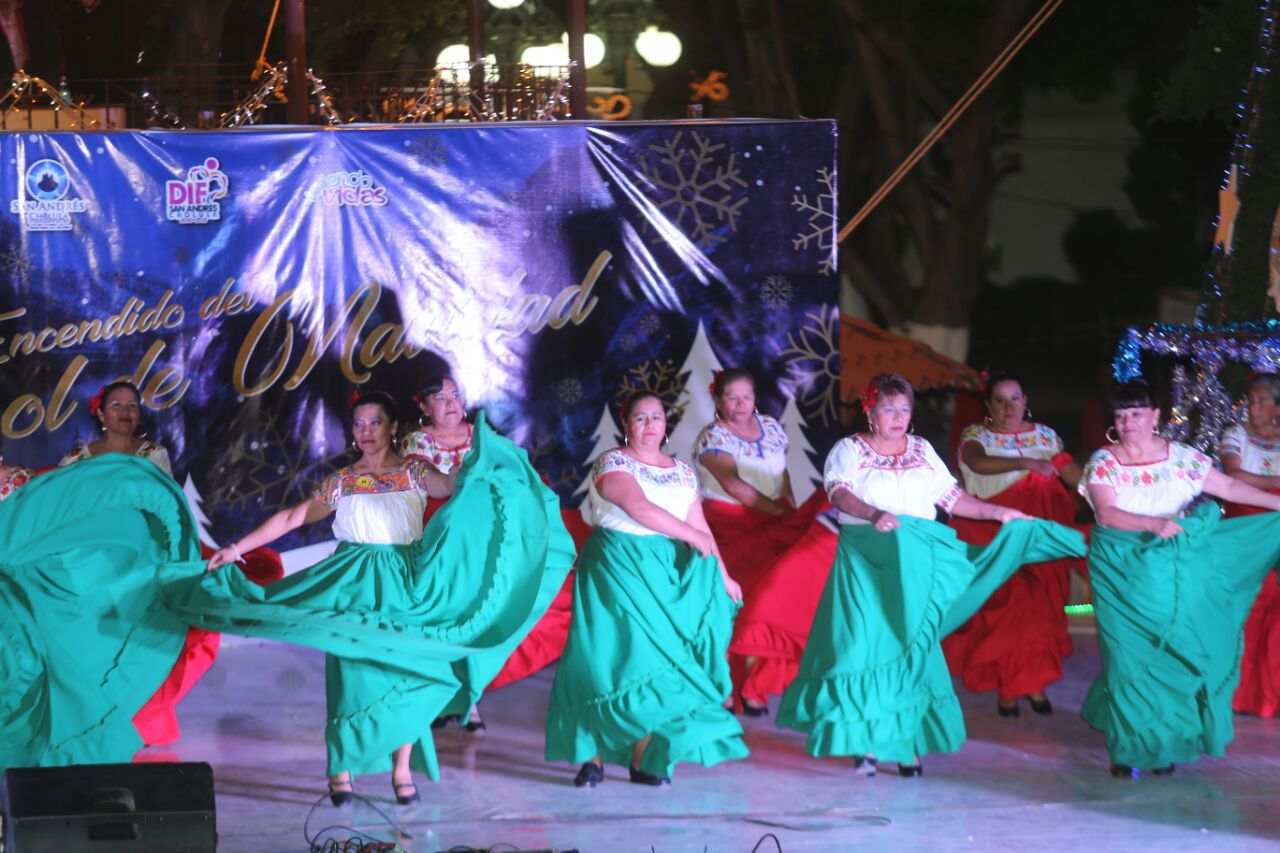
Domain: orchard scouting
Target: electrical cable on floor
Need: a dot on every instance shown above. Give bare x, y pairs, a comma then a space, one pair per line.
355, 841
761, 841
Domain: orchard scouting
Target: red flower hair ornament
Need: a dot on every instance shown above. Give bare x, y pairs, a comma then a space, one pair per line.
983, 378
355, 398
417, 398
95, 402
715, 377
869, 396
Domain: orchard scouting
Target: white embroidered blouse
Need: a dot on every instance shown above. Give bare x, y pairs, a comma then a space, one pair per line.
675, 489
1039, 442
910, 483
148, 450
17, 476
376, 509
421, 444
1257, 456
1163, 489
762, 464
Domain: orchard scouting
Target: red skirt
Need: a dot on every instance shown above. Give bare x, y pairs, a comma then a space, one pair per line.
781, 562
157, 721
1015, 644
1259, 690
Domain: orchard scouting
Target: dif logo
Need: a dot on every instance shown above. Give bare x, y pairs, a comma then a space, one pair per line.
347, 189
195, 199
43, 204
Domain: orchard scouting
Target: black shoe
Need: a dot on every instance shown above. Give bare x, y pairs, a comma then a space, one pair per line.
864, 766
909, 770
340, 798
441, 722
406, 799
1041, 706
640, 777
1163, 771
1124, 771
749, 710
589, 776
1008, 710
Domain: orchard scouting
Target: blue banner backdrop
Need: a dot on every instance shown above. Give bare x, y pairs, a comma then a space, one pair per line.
247, 280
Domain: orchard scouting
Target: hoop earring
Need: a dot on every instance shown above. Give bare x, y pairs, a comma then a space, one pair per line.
911, 427
422, 421
986, 421
1109, 438
871, 425
626, 439
1026, 415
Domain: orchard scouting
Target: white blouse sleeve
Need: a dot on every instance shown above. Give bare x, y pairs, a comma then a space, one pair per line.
841, 466
946, 491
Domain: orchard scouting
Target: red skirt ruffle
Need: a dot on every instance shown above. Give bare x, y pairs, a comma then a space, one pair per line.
1015, 644
1259, 690
157, 721
781, 563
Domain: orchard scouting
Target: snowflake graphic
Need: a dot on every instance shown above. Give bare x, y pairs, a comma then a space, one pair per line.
628, 342
659, 377
539, 455
649, 324
813, 357
776, 291
17, 263
819, 231
428, 150
569, 391
701, 191
272, 470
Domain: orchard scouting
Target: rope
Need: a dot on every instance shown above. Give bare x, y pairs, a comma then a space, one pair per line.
262, 64
984, 80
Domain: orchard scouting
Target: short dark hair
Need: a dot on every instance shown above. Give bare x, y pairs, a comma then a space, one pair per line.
375, 397
630, 401
1133, 394
1269, 382
998, 376
722, 379
887, 383
433, 384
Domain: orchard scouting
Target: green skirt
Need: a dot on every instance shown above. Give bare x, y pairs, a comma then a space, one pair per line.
1171, 615
646, 655
410, 631
83, 642
873, 678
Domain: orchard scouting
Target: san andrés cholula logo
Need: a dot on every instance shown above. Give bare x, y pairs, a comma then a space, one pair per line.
347, 189
194, 200
42, 202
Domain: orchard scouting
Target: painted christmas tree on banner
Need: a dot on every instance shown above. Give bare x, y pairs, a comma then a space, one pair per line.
696, 405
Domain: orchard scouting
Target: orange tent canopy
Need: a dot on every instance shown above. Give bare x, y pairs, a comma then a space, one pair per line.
866, 349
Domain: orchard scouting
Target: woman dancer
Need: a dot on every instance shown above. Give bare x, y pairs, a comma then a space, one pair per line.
741, 459
396, 610
873, 682
644, 670
442, 440
118, 409
1250, 452
1171, 589
1015, 644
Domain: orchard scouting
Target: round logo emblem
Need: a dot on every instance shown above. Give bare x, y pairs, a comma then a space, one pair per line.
47, 180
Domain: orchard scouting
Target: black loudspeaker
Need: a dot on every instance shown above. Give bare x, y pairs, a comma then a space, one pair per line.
105, 808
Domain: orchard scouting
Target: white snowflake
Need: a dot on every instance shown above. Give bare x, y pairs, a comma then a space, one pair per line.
819, 230
569, 391
628, 342
649, 324
776, 291
17, 263
701, 191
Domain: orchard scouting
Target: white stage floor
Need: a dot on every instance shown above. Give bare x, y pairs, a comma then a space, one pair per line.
1031, 783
